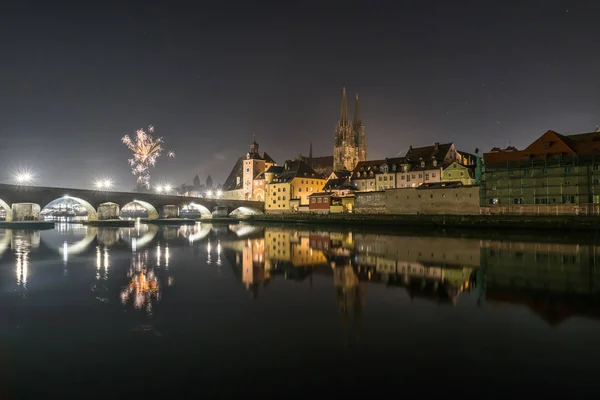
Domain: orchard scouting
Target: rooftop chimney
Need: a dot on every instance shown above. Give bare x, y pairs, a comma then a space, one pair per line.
437, 146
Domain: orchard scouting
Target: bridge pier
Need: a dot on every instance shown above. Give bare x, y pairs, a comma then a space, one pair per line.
108, 211
169, 211
25, 212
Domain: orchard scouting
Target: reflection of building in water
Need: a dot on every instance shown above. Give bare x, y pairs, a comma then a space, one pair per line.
349, 294
293, 246
435, 268
555, 280
144, 288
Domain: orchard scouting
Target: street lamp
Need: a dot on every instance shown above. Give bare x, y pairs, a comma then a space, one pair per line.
219, 193
209, 193
159, 189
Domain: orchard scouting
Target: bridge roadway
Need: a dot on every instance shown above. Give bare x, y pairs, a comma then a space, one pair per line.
11, 195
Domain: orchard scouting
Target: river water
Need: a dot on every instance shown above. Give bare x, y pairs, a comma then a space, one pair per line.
208, 311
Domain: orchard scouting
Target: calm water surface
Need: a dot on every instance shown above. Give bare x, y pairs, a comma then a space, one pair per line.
237, 310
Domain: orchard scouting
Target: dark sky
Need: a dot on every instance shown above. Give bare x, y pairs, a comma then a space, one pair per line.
76, 76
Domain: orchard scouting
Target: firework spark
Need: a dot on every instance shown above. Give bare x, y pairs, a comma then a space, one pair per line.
146, 151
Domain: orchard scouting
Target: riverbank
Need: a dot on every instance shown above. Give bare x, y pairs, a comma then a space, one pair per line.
509, 222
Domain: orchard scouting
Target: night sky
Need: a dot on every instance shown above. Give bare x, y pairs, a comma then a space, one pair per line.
75, 77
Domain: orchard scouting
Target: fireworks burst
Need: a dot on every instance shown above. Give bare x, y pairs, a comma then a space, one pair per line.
146, 151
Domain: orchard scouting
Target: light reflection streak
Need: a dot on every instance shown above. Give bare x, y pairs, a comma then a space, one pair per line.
22, 247
208, 252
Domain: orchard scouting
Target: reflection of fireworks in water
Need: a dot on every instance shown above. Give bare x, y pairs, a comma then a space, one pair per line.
143, 288
146, 150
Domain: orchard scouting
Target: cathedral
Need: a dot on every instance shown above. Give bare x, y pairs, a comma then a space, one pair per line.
350, 144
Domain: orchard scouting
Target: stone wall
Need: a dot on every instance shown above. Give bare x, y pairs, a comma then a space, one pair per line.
108, 211
170, 211
370, 202
456, 201
25, 212
233, 195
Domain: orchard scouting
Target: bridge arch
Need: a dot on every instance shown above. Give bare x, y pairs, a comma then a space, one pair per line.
92, 214
150, 209
245, 211
7, 209
204, 212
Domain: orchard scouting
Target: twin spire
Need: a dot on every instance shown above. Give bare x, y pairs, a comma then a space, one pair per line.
344, 121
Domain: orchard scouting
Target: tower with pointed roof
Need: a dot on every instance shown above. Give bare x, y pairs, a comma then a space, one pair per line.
349, 145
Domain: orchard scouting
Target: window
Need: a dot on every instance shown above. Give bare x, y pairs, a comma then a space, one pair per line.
401, 177
379, 178
597, 167
326, 200
433, 174
319, 200
567, 183
283, 198
449, 174
518, 200
596, 181
543, 200
546, 145
422, 164
426, 176
568, 169
568, 199
313, 200
495, 201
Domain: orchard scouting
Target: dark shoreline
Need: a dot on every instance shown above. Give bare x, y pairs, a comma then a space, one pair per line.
551, 228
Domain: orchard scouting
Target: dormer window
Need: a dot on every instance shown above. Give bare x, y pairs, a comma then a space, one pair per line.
435, 163
371, 174
394, 167
422, 164
546, 145
384, 169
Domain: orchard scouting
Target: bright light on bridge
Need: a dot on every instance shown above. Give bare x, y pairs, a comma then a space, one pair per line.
103, 183
24, 177
163, 188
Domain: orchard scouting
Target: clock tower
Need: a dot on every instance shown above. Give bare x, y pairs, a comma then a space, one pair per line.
253, 165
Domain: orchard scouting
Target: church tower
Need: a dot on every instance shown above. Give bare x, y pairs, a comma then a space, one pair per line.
359, 132
349, 146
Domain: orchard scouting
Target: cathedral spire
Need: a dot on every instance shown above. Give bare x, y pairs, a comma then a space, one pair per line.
356, 120
344, 111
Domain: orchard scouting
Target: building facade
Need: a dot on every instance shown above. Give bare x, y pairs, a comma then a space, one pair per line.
240, 182
556, 174
287, 188
350, 145
457, 172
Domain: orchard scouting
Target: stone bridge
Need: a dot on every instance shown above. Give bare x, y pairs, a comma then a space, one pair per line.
26, 202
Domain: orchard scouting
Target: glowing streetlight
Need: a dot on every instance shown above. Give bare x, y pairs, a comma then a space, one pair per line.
209, 193
159, 189
168, 188
24, 177
219, 193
